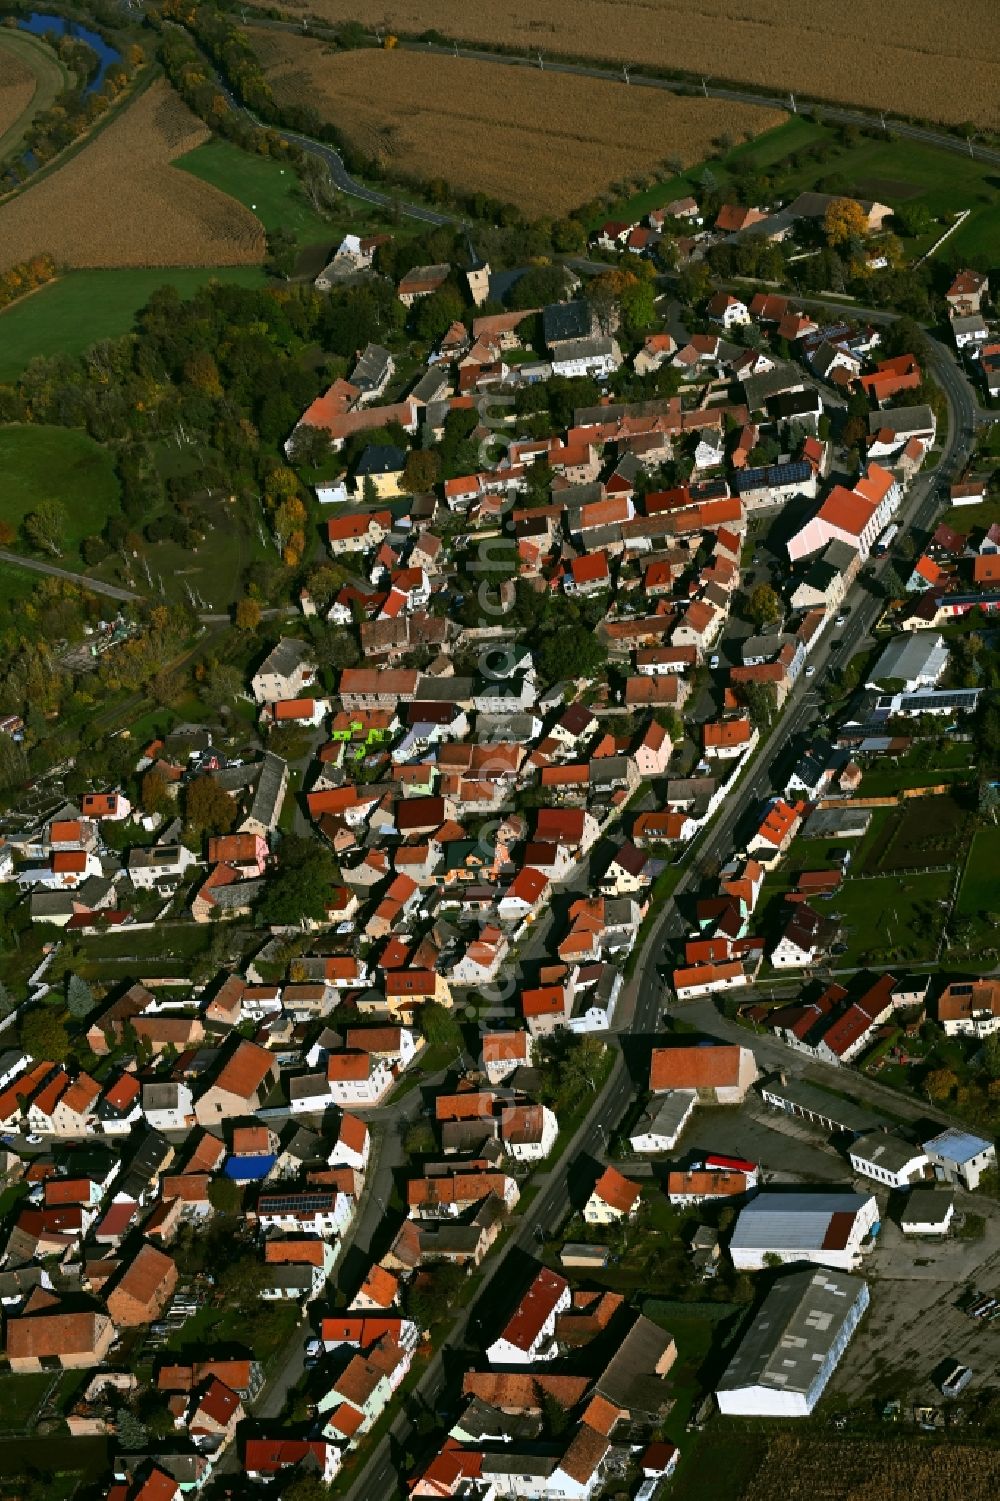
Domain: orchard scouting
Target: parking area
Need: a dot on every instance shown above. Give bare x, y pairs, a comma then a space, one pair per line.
789, 1151
914, 1321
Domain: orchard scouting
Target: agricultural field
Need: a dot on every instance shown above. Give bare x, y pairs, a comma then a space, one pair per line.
56, 463
917, 67
543, 141
922, 831
810, 1468
17, 87
120, 202
30, 78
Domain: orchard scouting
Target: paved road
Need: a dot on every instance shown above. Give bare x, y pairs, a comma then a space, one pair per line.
330, 157
34, 565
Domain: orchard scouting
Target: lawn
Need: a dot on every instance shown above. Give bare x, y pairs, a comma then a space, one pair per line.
19, 1396
273, 193
57, 463
71, 314
719, 1463
213, 570
768, 148
980, 889
890, 918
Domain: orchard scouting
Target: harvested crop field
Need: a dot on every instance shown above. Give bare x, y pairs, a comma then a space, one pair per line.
815, 1469
897, 55
542, 141
119, 202
17, 87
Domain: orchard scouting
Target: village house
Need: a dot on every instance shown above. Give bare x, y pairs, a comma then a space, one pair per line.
613, 1198
241, 1087
721, 1075
528, 1335
143, 1289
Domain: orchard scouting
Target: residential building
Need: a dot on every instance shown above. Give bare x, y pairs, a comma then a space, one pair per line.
285, 672
528, 1335
961, 1157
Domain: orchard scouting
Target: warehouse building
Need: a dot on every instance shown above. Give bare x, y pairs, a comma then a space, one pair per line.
833, 1228
793, 1345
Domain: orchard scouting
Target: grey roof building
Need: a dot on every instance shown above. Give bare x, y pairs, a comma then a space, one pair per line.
565, 321
268, 796
820, 1106
793, 1345
916, 660
831, 1227
371, 373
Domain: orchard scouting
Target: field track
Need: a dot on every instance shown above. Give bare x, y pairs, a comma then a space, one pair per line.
896, 55
545, 142
119, 202
31, 76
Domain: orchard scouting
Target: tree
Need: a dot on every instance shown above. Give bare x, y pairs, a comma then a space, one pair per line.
988, 808
435, 314
79, 997
302, 884
209, 809
311, 446
45, 527
761, 701
44, 1034
912, 219
638, 305
572, 652
153, 794
225, 1195
845, 220
763, 605
222, 686
306, 1487
892, 585
941, 1084
669, 720
247, 615
991, 1055
132, 1434
421, 471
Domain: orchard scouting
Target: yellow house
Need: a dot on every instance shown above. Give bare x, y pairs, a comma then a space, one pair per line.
380, 469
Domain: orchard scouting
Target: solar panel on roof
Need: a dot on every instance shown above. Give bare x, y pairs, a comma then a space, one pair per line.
282, 1203
777, 474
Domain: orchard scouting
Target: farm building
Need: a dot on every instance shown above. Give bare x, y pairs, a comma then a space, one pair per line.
833, 1228
793, 1346
927, 1211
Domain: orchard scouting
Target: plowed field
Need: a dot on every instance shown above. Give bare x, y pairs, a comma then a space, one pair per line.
543, 141
119, 202
913, 57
